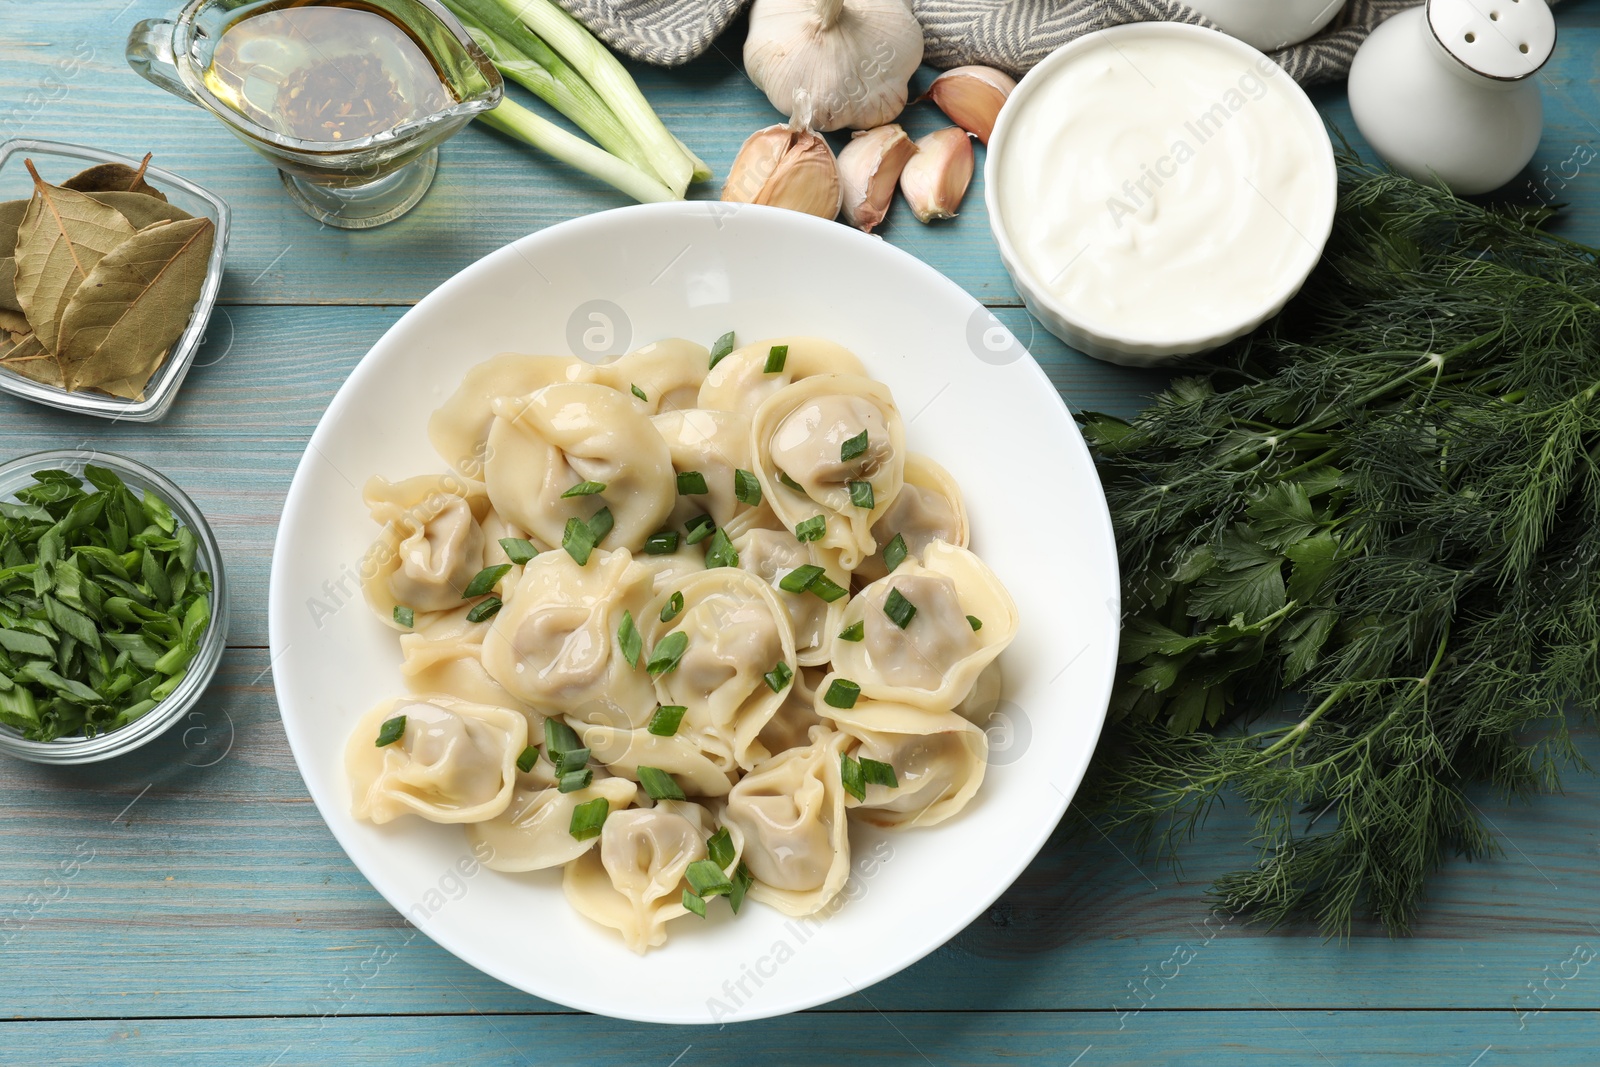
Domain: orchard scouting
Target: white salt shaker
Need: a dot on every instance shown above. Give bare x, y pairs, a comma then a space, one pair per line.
1269, 24
1447, 90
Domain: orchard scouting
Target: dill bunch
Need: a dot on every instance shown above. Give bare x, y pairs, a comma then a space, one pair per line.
1381, 515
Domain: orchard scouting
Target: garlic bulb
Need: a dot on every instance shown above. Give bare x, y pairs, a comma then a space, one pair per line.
869, 169
786, 167
936, 178
851, 59
972, 97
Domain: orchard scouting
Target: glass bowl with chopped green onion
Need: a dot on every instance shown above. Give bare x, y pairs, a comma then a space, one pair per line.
113, 605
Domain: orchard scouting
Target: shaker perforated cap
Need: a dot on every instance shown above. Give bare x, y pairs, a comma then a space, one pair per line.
1503, 39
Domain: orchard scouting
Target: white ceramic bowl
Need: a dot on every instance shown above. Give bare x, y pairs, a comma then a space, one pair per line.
972, 398
1131, 348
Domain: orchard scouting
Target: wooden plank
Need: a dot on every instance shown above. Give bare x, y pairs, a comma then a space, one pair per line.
490, 191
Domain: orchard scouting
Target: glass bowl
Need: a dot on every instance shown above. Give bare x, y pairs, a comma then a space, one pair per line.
57, 161
17, 474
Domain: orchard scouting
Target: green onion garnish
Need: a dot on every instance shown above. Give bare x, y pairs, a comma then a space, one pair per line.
894, 553
790, 483
878, 773
777, 355
721, 347
742, 879
854, 632
588, 818
900, 610
778, 677
691, 483
665, 721
746, 487
708, 879
485, 580
487, 608
720, 551
694, 903
659, 784
636, 391
584, 489
673, 606
664, 543
699, 528
842, 694
827, 590
812, 529
851, 777
517, 550
578, 540
405, 616
600, 524
391, 730
572, 781
719, 846
800, 579
861, 495
569, 760
628, 639
854, 447
529, 757
974, 622
668, 651
559, 738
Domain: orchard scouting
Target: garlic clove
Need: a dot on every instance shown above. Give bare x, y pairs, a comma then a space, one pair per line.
972, 97
869, 169
784, 167
936, 178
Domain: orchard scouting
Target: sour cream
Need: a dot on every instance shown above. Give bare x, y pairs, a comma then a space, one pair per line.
1162, 186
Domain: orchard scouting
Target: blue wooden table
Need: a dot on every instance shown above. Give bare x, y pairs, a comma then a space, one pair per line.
187, 905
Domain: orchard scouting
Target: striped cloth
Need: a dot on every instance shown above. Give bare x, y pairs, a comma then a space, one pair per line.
1010, 34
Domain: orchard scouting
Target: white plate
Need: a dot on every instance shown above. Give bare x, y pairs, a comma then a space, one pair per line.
972, 398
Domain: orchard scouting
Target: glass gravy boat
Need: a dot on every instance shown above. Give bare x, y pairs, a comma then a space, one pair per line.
351, 184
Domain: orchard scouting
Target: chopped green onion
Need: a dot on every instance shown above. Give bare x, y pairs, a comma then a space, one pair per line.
699, 528
584, 489
720, 349
559, 738
827, 590
694, 903
800, 579
894, 553
391, 731
628, 639
487, 608
720, 551
719, 846
854, 447
900, 610
777, 355
405, 616
600, 524
529, 757
569, 760
578, 540
854, 632
974, 622
691, 483
790, 483
673, 605
878, 773
664, 543
659, 784
708, 879
485, 580
842, 694
851, 777
812, 529
636, 391
742, 880
861, 495
667, 718
588, 818
517, 550
668, 651
746, 487
572, 781
778, 677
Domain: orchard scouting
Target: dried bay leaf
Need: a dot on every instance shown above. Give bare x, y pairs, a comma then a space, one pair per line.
29, 358
114, 178
64, 234
14, 322
141, 209
11, 213
134, 304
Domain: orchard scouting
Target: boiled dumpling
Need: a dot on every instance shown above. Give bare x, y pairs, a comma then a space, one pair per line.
445, 655
713, 444
545, 444
623, 750
798, 437
668, 373
790, 727
431, 546
459, 430
455, 762
772, 555
928, 508
534, 832
740, 380
634, 881
938, 758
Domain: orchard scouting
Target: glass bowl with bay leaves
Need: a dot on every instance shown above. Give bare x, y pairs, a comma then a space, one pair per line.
109, 268
113, 606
